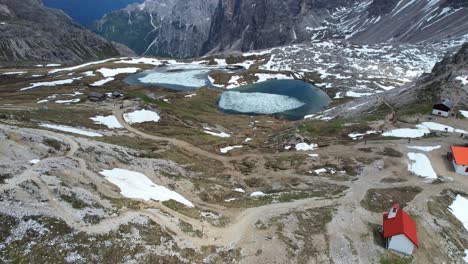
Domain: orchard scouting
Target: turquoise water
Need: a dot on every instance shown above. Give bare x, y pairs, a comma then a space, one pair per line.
289, 99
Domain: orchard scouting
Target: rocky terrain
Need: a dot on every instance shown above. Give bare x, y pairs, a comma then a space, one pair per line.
447, 80
163, 176
31, 34
233, 25
166, 28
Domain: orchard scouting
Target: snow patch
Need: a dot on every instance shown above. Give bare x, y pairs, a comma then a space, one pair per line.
229, 148
34, 161
427, 149
421, 166
239, 190
221, 134
109, 121
459, 209
106, 72
49, 84
103, 81
305, 147
136, 185
257, 194
141, 116
71, 130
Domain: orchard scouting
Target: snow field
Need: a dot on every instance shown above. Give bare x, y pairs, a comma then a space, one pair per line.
136, 185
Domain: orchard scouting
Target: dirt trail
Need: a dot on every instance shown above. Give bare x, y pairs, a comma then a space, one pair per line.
178, 143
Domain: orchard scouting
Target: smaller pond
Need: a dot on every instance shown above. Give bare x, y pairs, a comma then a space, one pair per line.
290, 99
180, 77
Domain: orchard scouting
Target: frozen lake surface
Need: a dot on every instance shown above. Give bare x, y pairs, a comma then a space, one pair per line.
181, 77
290, 99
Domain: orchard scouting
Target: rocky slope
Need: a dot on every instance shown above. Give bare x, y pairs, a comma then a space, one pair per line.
168, 28
174, 28
31, 33
448, 80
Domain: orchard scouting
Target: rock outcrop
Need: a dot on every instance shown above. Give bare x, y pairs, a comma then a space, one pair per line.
180, 28
31, 33
170, 28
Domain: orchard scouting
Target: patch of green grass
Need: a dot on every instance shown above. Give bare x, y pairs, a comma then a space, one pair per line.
53, 143
424, 107
147, 99
188, 228
380, 200
322, 128
394, 259
74, 201
391, 153
183, 209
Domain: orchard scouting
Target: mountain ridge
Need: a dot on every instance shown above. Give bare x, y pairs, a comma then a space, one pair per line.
31, 33
232, 25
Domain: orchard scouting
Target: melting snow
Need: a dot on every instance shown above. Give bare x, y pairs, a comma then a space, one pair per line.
421, 166
68, 101
229, 148
269, 76
79, 66
305, 147
114, 72
141, 116
222, 134
427, 149
459, 210
71, 130
240, 190
464, 113
440, 127
13, 73
257, 194
102, 82
52, 83
259, 103
137, 186
34, 161
463, 79
356, 136
406, 133
320, 171
109, 121
150, 61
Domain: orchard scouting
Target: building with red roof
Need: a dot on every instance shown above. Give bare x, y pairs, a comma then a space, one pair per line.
399, 231
460, 159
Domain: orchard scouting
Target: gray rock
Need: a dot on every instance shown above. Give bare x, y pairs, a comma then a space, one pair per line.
31, 33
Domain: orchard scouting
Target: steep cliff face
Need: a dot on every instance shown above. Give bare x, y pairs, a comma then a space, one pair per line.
32, 33
179, 28
173, 28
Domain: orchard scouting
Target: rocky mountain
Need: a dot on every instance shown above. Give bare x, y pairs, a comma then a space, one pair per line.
448, 80
171, 28
30, 32
87, 11
179, 28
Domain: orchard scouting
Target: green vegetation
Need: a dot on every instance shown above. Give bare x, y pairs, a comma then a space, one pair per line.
423, 107
53, 143
147, 99
394, 259
390, 153
74, 201
380, 200
188, 228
